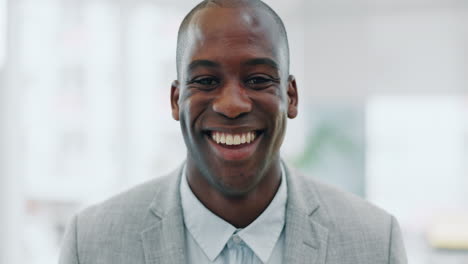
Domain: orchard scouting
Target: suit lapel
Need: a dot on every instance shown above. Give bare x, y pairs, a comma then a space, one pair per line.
305, 239
164, 242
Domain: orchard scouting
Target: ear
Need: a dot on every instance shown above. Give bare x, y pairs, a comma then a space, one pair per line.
292, 97
175, 99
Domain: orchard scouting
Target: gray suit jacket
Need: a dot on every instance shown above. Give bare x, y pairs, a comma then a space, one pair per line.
145, 226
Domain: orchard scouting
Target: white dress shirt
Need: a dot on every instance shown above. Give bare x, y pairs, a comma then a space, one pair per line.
210, 239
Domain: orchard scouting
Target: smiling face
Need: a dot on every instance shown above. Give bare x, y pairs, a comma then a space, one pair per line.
233, 97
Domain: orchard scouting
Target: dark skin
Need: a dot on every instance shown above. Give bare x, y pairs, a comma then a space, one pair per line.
234, 79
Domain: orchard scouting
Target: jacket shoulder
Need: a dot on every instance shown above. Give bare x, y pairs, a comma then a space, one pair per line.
112, 229
354, 224
341, 205
134, 201
123, 216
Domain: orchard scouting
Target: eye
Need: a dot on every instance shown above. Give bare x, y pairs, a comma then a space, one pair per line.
260, 82
257, 80
204, 83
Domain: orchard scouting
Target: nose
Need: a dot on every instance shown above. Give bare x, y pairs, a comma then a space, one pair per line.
232, 101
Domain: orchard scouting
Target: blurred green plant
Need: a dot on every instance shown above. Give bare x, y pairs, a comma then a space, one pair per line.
334, 148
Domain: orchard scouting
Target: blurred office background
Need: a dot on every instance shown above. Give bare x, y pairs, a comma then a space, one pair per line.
85, 114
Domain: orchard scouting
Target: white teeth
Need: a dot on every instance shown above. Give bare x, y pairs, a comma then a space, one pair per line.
237, 140
229, 140
233, 139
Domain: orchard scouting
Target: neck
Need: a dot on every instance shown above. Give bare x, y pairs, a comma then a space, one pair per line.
240, 210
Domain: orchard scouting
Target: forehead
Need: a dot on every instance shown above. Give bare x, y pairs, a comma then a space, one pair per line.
222, 32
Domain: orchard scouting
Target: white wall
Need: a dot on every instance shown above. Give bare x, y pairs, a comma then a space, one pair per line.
363, 48
416, 155
11, 200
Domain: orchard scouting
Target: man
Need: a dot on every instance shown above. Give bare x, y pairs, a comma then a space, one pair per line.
233, 200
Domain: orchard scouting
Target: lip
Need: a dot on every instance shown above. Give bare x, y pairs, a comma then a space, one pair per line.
232, 130
234, 152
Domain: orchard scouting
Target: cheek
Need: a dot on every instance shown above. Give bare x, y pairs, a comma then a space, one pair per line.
189, 111
278, 111
272, 105
274, 112
192, 108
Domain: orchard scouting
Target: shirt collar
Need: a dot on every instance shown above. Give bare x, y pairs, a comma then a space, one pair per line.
212, 233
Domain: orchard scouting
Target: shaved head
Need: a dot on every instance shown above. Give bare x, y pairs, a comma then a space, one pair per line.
233, 77
249, 4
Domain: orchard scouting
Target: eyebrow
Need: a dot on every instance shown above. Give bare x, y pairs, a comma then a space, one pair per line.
262, 61
202, 63
252, 62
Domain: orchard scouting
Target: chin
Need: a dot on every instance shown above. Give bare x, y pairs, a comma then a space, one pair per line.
236, 184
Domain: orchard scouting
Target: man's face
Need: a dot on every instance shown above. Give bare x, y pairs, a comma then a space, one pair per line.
233, 96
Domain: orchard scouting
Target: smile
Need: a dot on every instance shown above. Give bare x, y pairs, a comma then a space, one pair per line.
234, 146
233, 139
